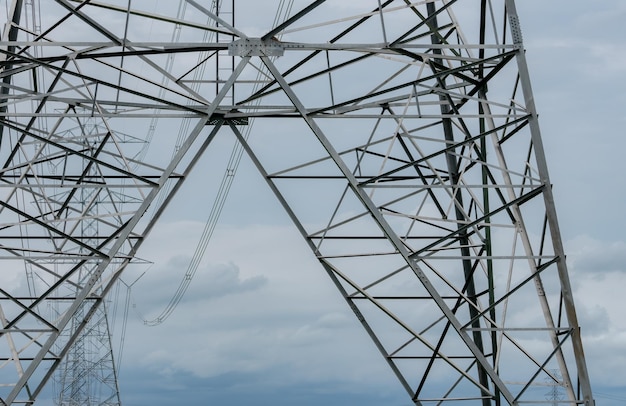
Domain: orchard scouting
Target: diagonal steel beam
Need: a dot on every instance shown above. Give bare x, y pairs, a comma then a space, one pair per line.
388, 231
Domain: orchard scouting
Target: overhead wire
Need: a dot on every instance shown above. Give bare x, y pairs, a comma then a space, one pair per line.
196, 83
126, 307
609, 396
169, 64
283, 12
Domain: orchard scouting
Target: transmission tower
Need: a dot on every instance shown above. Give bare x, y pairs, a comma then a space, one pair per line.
408, 155
554, 395
87, 375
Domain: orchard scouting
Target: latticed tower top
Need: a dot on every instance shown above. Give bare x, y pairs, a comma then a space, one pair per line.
400, 137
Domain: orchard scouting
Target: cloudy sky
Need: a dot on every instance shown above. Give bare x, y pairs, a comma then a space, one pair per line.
576, 65
252, 330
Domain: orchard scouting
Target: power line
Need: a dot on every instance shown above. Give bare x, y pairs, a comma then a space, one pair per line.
283, 12
609, 396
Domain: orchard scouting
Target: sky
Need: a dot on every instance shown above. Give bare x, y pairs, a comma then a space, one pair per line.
251, 330
269, 337
573, 50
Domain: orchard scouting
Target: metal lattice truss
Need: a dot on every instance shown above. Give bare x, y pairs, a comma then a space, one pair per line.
400, 136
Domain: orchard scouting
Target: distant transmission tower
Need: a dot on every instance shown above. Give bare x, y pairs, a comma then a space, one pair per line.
87, 375
554, 395
400, 137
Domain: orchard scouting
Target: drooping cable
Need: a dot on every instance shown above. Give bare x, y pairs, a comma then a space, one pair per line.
283, 12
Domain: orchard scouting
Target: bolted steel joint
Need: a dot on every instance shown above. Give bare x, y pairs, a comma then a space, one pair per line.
256, 47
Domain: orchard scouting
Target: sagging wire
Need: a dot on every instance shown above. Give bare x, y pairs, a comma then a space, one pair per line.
282, 14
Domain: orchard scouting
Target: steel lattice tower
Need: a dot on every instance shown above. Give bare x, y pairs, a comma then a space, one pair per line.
408, 155
87, 374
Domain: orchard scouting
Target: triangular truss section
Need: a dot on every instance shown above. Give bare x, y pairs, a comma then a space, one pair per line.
400, 137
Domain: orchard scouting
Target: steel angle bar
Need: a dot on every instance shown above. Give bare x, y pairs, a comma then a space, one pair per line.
518, 201
250, 152
382, 279
264, 90
97, 53
19, 303
10, 33
87, 168
94, 305
429, 20
232, 30
428, 186
448, 149
518, 286
406, 327
86, 157
550, 209
25, 331
519, 221
542, 367
40, 106
53, 230
275, 31
388, 231
125, 231
96, 80
62, 280
154, 16
415, 210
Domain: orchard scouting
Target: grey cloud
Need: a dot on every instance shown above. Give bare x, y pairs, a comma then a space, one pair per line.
225, 280
594, 320
209, 282
595, 257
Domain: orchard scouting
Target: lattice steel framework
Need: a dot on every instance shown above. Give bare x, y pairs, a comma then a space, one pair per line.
87, 375
408, 155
